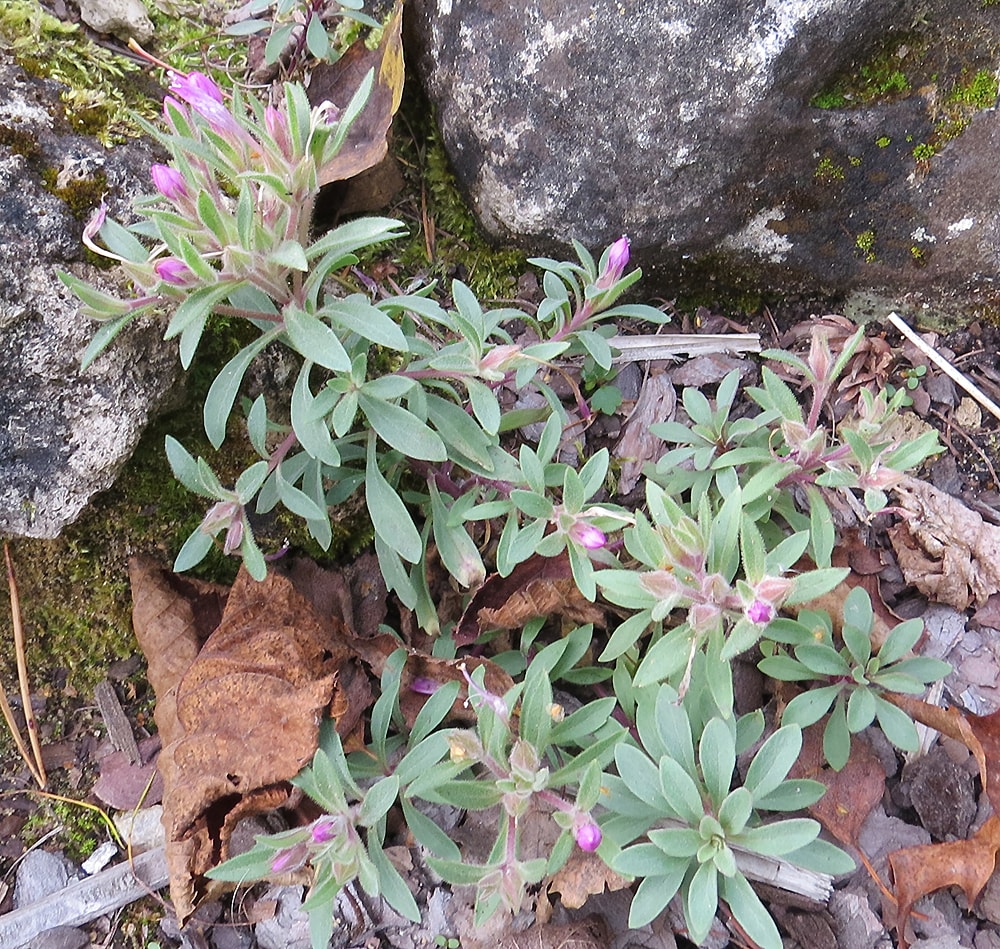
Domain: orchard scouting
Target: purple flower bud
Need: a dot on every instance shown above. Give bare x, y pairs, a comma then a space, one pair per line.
291, 858
234, 537
172, 270
618, 257
277, 127
586, 535
424, 685
324, 830
588, 835
760, 612
168, 181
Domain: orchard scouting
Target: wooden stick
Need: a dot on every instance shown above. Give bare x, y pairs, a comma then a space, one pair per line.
946, 367
671, 345
22, 671
86, 899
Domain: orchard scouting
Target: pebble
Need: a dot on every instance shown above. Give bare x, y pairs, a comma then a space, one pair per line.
60, 937
39, 874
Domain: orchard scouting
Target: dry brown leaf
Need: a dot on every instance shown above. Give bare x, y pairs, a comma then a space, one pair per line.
422, 674
851, 793
582, 876
637, 446
589, 933
247, 709
172, 616
540, 586
366, 142
918, 871
946, 550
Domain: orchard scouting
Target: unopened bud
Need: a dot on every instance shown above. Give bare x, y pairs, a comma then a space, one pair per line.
588, 835
168, 181
618, 257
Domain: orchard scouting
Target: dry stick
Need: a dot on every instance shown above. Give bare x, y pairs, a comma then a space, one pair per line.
22, 671
946, 367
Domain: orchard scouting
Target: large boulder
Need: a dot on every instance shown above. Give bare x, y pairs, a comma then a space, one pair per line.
64, 434
689, 125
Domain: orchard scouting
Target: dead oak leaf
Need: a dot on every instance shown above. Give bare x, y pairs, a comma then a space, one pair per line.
851, 793
246, 718
918, 871
946, 550
539, 586
582, 876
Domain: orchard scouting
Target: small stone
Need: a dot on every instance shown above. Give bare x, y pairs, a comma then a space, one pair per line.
289, 927
126, 19
60, 937
40, 874
143, 829
942, 794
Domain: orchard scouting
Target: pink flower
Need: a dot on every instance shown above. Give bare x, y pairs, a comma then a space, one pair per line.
618, 257
586, 535
205, 97
760, 612
168, 181
588, 835
172, 270
195, 87
424, 685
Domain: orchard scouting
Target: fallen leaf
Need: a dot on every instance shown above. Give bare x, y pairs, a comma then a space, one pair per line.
540, 586
247, 710
851, 793
946, 550
637, 446
989, 614
366, 142
126, 786
422, 674
918, 871
582, 876
589, 933
172, 616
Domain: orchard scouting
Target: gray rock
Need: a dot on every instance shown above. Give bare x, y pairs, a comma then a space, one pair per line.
126, 19
942, 794
687, 125
289, 927
61, 937
64, 434
39, 874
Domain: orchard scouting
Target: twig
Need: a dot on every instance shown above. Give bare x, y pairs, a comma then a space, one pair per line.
669, 345
946, 367
37, 772
86, 899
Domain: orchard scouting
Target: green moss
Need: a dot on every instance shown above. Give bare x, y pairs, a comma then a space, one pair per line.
81, 195
979, 92
20, 142
101, 86
828, 171
865, 243
880, 78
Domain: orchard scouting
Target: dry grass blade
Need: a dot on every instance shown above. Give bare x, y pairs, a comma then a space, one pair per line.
37, 767
946, 367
